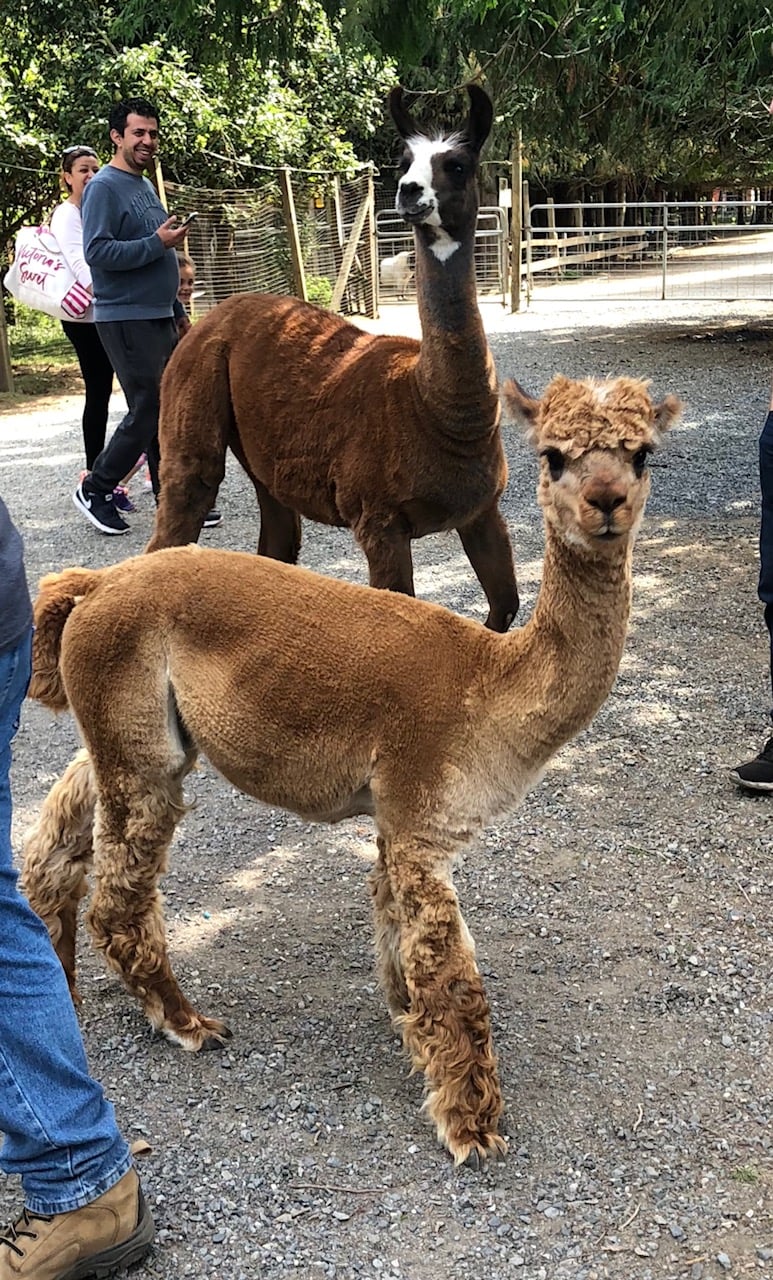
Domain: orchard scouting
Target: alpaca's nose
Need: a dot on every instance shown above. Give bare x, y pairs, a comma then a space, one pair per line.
606, 499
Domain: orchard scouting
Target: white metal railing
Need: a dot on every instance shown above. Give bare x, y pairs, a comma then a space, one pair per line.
492, 259
648, 250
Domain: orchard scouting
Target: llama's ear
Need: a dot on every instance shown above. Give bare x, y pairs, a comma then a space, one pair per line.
481, 116
667, 412
403, 122
521, 406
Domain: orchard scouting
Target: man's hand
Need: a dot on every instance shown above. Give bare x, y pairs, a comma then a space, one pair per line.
170, 235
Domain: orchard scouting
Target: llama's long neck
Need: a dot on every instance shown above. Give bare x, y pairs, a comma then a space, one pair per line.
558, 669
455, 372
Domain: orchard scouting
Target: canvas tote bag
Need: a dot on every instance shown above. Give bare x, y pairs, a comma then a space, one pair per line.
40, 278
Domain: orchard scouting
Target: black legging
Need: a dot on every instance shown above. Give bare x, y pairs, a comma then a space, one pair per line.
98, 380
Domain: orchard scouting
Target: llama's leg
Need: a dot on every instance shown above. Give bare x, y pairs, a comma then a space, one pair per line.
490, 553
189, 485
57, 856
135, 821
387, 930
447, 1027
388, 552
280, 528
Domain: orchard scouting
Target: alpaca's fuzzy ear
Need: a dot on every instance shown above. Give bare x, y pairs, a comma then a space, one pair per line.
479, 121
521, 406
403, 120
667, 412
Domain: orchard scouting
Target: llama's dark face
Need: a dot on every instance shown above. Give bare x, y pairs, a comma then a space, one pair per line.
437, 188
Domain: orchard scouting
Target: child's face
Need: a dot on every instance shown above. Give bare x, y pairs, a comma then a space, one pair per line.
187, 281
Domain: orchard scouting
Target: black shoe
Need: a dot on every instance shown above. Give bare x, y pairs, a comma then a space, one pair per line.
99, 508
211, 520
756, 774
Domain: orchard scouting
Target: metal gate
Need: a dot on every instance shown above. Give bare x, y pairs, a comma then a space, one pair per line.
492, 255
711, 249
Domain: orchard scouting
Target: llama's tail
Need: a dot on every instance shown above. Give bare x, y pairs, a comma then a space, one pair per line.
58, 595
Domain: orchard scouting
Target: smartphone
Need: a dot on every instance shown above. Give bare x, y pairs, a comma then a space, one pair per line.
188, 219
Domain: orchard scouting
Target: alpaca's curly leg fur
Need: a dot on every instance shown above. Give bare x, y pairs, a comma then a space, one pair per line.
57, 856
446, 1029
133, 827
387, 931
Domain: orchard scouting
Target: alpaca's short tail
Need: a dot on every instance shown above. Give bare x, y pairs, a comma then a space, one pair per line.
59, 594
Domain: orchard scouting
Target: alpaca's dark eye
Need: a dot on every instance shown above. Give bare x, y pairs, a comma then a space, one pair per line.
556, 462
639, 460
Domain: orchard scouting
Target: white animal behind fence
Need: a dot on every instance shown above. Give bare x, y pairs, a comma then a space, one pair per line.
396, 272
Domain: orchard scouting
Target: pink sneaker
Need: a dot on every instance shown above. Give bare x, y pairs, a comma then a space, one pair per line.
121, 499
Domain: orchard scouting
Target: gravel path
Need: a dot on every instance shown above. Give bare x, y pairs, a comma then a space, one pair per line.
622, 916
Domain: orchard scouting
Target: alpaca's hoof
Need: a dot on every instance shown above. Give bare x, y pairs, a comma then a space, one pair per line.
198, 1034
489, 1148
217, 1039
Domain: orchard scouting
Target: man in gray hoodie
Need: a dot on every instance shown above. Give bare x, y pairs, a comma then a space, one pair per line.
129, 244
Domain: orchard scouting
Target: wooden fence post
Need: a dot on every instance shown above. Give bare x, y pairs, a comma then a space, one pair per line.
373, 245
6, 372
526, 220
516, 221
575, 214
351, 249
291, 223
157, 178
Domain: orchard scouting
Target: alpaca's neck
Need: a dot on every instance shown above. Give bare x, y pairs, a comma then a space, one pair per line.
560, 667
454, 372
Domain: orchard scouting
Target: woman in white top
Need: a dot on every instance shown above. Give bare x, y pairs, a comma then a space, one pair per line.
79, 164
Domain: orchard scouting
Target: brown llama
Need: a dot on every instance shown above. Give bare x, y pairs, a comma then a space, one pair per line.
390, 437
390, 706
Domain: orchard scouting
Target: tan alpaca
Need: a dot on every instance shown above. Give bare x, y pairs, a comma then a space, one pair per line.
330, 699
386, 436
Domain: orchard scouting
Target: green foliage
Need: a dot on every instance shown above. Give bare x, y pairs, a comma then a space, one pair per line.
230, 108
43, 361
647, 92
319, 290
38, 337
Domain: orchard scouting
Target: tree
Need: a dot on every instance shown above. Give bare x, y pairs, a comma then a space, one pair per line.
224, 109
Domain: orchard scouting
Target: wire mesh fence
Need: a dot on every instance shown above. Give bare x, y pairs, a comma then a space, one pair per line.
242, 240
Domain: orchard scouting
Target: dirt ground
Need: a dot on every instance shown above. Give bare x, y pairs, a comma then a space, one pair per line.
622, 915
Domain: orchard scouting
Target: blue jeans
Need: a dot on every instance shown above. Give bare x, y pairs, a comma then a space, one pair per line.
60, 1132
766, 531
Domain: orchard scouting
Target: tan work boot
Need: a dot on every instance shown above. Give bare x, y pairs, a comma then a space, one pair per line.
113, 1231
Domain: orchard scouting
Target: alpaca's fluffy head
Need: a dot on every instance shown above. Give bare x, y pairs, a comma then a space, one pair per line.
594, 438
